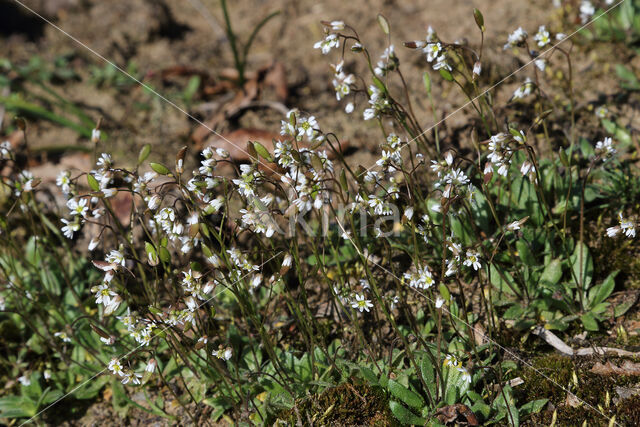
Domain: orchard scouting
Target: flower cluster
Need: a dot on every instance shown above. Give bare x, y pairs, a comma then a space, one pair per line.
420, 278
625, 226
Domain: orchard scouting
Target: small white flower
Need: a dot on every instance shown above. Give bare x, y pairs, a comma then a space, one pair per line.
515, 225
601, 112
329, 42
361, 303
516, 38
78, 207
105, 161
69, 228
586, 11
95, 135
24, 380
337, 25
349, 108
115, 367
287, 261
542, 36
473, 260
63, 336
64, 181
93, 243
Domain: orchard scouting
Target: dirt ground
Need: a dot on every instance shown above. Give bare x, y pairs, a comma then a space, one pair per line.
157, 35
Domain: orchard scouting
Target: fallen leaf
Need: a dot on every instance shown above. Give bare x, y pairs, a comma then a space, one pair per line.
452, 413
628, 368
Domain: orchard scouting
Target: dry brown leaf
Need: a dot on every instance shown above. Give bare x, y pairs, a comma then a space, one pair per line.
628, 368
452, 413
276, 77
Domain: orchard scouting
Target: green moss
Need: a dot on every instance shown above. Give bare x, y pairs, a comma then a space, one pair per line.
591, 388
346, 404
628, 411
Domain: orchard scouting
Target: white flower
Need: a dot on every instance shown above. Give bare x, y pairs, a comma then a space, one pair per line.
605, 148
64, 181
130, 376
527, 168
153, 202
151, 365
473, 260
542, 36
115, 367
408, 213
626, 226
586, 11
361, 303
336, 25
115, 257
329, 42
287, 261
433, 51
108, 341
439, 302
5, 150
103, 294
515, 38
105, 161
515, 225
69, 228
477, 69
223, 353
524, 90
349, 108
78, 207
541, 63
63, 336
24, 380
601, 112
95, 135
421, 278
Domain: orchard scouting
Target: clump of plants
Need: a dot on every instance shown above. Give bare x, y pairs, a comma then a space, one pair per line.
260, 293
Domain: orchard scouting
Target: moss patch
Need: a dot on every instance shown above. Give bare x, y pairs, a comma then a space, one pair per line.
346, 404
597, 390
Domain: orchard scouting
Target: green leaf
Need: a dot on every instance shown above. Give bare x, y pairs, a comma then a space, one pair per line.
160, 168
17, 407
446, 74
426, 79
428, 374
551, 274
589, 321
504, 282
405, 395
164, 254
602, 291
368, 375
525, 253
621, 309
93, 182
533, 407
262, 151
582, 265
144, 153
404, 415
